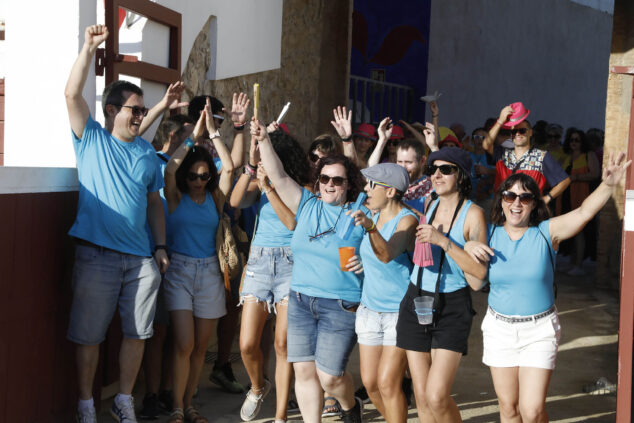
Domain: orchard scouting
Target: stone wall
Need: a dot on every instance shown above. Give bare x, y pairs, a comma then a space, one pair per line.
314, 70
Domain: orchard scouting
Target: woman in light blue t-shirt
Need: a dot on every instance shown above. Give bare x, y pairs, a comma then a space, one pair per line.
521, 329
194, 291
267, 279
324, 293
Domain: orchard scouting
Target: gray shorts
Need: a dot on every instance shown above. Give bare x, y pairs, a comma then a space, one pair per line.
104, 279
196, 285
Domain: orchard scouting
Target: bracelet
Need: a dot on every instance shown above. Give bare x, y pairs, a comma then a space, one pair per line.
160, 247
434, 116
248, 170
239, 127
499, 123
189, 143
549, 196
214, 135
346, 139
372, 229
267, 191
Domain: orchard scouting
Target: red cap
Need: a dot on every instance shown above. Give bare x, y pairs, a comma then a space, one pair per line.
366, 130
397, 133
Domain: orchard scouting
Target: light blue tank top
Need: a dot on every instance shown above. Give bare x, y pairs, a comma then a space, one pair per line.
452, 276
384, 284
193, 227
521, 273
271, 232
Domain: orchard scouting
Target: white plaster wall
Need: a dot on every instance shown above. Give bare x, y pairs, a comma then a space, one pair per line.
550, 54
37, 133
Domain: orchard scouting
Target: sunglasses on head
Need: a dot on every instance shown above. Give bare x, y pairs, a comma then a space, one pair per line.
336, 180
136, 110
521, 131
444, 169
525, 198
202, 176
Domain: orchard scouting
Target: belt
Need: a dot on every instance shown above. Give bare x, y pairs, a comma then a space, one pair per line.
532, 318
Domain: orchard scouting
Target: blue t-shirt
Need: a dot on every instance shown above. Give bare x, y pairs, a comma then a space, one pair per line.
193, 227
479, 159
271, 232
316, 270
452, 276
162, 163
115, 178
385, 284
521, 272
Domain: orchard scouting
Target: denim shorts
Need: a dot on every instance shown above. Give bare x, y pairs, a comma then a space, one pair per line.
103, 279
320, 330
268, 274
195, 284
376, 328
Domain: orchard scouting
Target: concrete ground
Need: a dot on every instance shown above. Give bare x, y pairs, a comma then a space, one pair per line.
588, 350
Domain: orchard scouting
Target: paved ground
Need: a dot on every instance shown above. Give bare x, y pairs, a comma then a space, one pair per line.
588, 350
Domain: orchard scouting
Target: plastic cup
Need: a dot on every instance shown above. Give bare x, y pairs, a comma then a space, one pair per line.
424, 309
345, 253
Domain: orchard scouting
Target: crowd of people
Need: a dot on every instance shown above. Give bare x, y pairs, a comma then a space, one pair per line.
477, 208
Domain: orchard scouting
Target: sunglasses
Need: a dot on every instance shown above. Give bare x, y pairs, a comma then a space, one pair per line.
202, 176
478, 137
525, 198
374, 184
444, 169
336, 180
521, 131
136, 110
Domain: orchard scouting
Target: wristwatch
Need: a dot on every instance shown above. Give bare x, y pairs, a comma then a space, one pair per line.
214, 135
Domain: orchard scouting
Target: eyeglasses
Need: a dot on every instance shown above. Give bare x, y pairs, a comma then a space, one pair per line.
374, 184
136, 110
478, 137
525, 198
336, 180
202, 176
313, 157
327, 231
521, 131
444, 169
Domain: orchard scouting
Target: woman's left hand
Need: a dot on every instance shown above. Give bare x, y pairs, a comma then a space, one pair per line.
427, 233
615, 169
360, 218
354, 265
209, 118
478, 251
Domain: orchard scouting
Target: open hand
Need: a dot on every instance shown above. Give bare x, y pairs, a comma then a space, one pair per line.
172, 97
478, 251
95, 35
239, 107
209, 117
199, 129
430, 136
342, 122
385, 128
615, 169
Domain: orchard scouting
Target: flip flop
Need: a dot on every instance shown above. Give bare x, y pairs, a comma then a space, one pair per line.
331, 409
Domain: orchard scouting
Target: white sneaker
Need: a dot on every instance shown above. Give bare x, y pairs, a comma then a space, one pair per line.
253, 402
87, 416
123, 411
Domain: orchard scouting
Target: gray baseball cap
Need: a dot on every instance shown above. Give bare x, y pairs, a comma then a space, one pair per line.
389, 174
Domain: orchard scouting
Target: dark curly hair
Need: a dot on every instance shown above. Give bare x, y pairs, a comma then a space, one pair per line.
197, 104
539, 213
355, 180
582, 136
196, 154
291, 155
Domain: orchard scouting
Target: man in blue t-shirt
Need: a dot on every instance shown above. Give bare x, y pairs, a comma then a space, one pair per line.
119, 183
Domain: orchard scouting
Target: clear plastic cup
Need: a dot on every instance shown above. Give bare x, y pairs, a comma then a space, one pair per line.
424, 309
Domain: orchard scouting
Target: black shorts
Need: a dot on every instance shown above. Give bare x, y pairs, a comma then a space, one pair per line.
450, 330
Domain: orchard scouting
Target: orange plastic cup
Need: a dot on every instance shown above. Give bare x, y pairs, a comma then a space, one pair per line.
345, 253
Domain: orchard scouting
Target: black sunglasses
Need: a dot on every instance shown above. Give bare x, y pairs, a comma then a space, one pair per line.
521, 131
444, 169
136, 110
336, 180
202, 176
525, 198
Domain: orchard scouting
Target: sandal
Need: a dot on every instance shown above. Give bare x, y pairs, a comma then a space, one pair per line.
193, 416
176, 416
333, 409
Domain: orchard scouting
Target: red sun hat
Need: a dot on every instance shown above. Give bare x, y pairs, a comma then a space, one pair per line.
520, 113
397, 133
365, 130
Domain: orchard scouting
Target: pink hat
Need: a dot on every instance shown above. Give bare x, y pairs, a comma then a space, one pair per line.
365, 130
397, 133
519, 114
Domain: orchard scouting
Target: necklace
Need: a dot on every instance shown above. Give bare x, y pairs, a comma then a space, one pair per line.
327, 231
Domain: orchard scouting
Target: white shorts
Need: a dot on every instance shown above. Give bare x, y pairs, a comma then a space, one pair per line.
520, 344
374, 328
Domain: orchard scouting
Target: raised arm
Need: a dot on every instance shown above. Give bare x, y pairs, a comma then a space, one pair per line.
343, 126
398, 243
171, 100
289, 191
286, 216
245, 192
239, 107
385, 132
489, 140
78, 110
568, 225
226, 173
435, 112
426, 137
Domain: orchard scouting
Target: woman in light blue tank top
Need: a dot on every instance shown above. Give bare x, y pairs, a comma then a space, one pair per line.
384, 253
434, 350
267, 279
194, 289
521, 330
